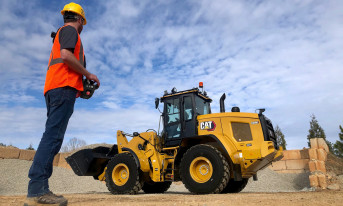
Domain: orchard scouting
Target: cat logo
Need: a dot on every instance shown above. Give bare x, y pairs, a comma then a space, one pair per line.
209, 126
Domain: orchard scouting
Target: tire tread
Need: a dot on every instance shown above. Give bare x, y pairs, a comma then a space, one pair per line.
134, 190
226, 174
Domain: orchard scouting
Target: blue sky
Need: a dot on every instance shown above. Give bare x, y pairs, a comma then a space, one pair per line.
285, 56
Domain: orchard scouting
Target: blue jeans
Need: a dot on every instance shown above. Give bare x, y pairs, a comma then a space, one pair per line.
60, 106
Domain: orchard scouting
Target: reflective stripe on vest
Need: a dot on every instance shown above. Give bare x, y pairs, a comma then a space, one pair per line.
60, 60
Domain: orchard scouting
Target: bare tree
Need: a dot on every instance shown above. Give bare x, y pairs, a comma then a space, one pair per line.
73, 144
30, 147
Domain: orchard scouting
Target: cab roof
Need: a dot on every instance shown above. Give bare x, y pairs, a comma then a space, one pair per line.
195, 91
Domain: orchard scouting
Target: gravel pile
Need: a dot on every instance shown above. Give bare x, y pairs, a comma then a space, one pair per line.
270, 181
91, 146
14, 181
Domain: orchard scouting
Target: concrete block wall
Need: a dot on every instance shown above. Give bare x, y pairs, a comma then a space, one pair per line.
62, 162
306, 160
293, 161
318, 157
9, 153
27, 155
14, 153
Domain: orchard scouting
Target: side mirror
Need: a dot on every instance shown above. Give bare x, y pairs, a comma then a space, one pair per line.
157, 101
261, 111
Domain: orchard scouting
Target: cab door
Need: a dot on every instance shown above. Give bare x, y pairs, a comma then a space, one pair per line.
172, 122
188, 120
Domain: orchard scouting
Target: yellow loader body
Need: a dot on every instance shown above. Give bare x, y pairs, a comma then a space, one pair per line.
242, 137
209, 152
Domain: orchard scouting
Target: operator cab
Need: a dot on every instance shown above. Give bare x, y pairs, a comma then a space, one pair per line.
180, 114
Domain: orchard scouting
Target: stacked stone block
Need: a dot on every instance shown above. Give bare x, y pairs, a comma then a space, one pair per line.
293, 161
27, 155
62, 161
9, 153
318, 156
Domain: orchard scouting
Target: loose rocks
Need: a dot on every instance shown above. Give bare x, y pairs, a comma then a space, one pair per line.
14, 181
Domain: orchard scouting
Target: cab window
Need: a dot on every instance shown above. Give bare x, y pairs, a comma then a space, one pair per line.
173, 125
201, 106
188, 108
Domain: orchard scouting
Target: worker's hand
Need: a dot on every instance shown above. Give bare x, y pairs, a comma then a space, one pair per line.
94, 78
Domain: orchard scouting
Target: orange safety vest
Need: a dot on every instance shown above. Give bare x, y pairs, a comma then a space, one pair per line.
59, 74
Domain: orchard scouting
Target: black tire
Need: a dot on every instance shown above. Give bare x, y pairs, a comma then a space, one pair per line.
122, 175
235, 186
204, 170
156, 187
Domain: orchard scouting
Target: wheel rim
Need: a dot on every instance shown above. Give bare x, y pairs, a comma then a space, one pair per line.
201, 169
120, 174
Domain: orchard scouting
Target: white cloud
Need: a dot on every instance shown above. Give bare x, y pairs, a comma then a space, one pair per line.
21, 126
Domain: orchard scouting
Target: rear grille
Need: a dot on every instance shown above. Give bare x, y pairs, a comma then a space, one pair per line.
268, 130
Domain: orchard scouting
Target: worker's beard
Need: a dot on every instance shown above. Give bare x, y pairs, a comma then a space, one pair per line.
80, 29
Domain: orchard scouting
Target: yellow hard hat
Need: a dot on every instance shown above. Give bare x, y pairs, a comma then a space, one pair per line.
75, 8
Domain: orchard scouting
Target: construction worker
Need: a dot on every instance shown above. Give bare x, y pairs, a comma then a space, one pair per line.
62, 85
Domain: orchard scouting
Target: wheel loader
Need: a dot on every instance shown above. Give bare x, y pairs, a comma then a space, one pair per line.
208, 152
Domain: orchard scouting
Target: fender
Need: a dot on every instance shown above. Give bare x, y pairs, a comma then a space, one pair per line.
134, 156
222, 147
227, 149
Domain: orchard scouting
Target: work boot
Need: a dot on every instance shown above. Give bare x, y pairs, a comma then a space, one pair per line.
51, 193
47, 199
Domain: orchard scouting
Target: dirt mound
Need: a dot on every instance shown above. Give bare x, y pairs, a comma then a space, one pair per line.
334, 169
91, 146
334, 164
9, 146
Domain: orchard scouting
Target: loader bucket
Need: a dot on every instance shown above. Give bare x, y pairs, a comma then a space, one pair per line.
89, 162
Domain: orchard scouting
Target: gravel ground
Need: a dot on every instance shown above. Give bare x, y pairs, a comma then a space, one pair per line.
14, 181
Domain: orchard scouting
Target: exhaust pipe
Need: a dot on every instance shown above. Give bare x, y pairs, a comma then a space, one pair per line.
222, 106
